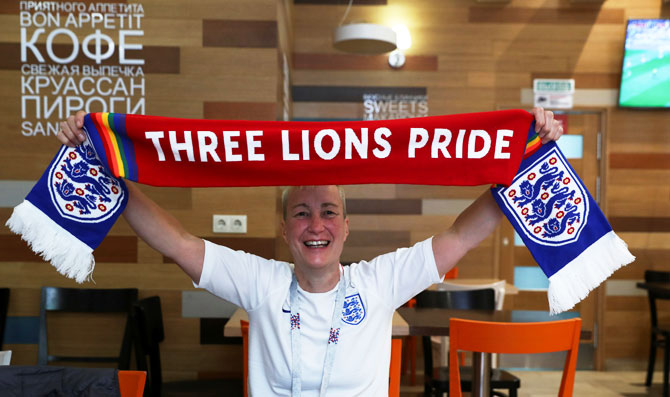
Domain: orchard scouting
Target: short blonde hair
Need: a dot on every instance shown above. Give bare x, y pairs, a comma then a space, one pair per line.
288, 189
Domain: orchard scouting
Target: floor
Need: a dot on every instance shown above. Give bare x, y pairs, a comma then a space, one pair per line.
587, 383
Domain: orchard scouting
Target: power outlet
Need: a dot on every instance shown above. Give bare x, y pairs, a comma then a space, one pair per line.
238, 224
229, 224
220, 223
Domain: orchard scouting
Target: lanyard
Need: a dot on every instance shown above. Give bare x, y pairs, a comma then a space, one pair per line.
335, 325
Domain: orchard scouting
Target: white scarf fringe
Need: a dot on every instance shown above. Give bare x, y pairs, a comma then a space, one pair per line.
574, 281
67, 254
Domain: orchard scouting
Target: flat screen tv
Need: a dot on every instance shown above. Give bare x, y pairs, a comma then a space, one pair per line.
645, 72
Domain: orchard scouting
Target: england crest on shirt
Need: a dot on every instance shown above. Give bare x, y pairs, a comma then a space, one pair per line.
353, 310
547, 202
81, 189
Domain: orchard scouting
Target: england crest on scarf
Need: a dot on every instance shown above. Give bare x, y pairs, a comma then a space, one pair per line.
562, 226
70, 210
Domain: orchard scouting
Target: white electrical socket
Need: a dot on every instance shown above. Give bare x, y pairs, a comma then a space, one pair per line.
229, 223
238, 224
220, 223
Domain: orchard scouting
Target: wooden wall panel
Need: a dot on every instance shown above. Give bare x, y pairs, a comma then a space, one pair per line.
649, 161
244, 34
367, 78
239, 110
565, 15
379, 207
113, 249
264, 10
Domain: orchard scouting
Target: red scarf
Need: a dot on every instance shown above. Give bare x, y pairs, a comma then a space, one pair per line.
464, 149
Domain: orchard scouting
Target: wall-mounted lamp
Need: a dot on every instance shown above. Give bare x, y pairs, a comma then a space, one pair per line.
403, 42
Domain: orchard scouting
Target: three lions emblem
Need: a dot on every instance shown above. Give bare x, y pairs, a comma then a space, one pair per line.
353, 310
547, 202
81, 189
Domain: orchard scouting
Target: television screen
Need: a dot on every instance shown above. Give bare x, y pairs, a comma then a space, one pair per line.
645, 74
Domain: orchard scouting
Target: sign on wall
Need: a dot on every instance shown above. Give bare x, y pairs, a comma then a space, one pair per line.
79, 55
554, 93
394, 106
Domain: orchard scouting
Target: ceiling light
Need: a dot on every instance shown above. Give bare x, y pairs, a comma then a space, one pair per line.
364, 38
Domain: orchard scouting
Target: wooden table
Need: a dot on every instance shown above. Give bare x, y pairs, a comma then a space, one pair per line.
430, 322
655, 286
435, 322
510, 289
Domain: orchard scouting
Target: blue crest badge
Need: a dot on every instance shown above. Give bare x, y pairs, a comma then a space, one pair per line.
81, 188
353, 311
547, 202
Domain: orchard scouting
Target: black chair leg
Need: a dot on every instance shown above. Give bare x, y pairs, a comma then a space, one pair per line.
652, 359
427, 390
666, 368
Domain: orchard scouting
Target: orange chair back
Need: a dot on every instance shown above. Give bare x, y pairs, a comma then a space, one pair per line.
519, 338
131, 383
394, 370
451, 274
244, 325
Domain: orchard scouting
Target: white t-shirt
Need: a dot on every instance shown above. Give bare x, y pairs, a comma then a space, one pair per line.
362, 356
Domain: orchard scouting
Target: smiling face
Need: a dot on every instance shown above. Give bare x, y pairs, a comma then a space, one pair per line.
315, 227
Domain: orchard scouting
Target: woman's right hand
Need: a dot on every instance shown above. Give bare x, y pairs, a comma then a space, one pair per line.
71, 133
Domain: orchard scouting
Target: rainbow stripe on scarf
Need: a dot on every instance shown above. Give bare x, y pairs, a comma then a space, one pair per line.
532, 145
119, 151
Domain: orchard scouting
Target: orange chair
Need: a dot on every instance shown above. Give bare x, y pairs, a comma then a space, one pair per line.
451, 274
394, 368
411, 341
245, 348
519, 338
131, 383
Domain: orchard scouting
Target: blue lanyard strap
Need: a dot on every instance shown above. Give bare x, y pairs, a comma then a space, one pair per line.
333, 338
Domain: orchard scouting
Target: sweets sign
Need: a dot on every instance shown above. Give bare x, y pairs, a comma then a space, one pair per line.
394, 106
79, 55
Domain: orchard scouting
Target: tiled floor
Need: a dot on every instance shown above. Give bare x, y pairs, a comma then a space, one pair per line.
587, 383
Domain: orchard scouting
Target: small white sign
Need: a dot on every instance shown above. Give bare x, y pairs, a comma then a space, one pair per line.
554, 93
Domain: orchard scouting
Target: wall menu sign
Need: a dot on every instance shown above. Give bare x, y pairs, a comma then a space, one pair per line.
79, 56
